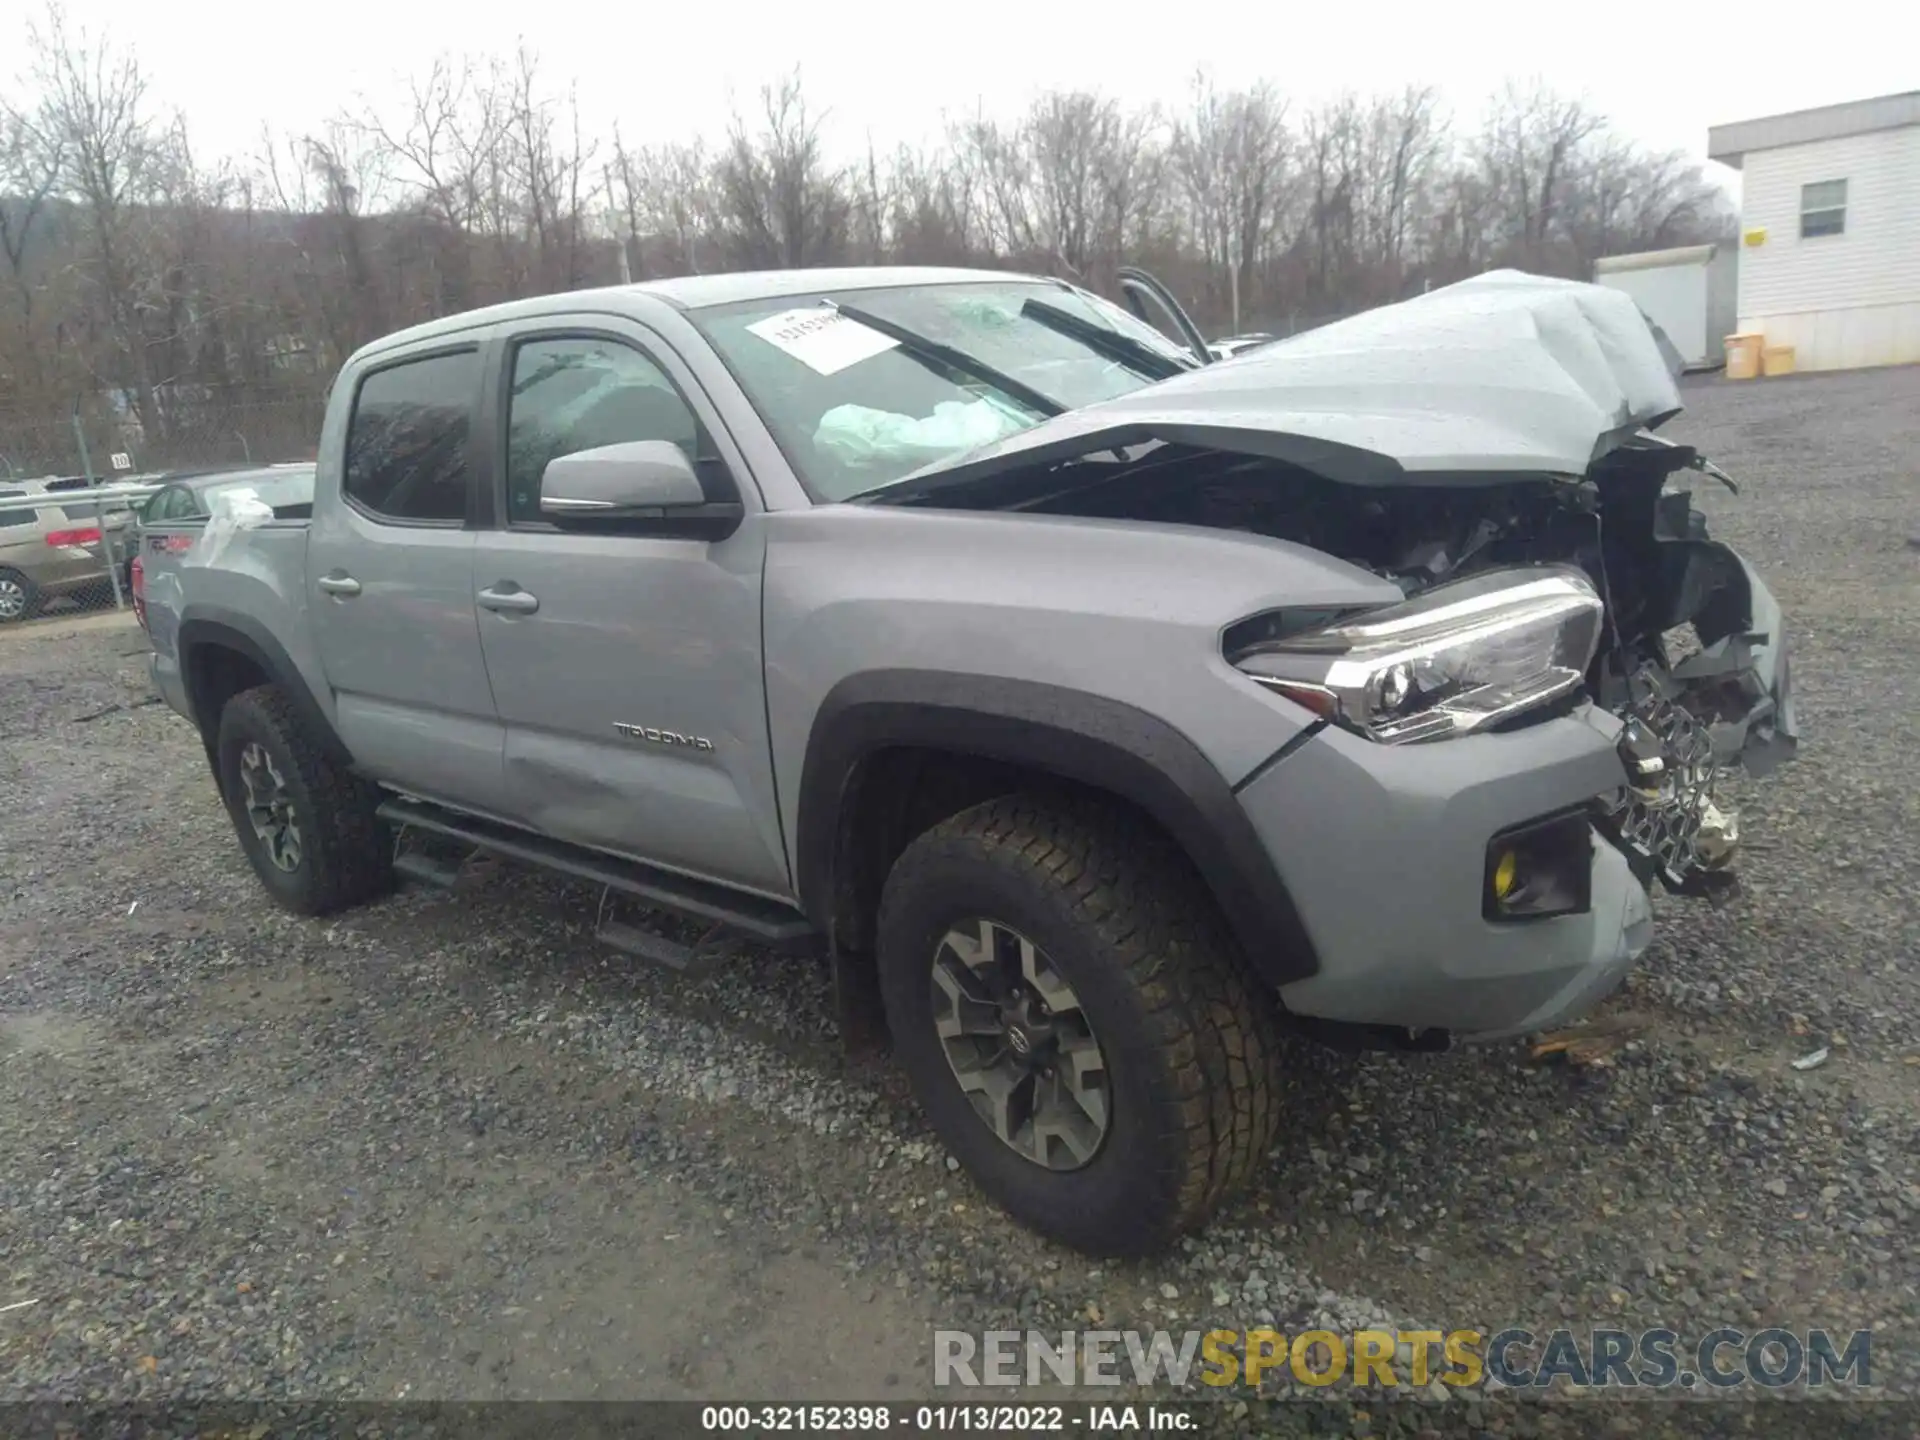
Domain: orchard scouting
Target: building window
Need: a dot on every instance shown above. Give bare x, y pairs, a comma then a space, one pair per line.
1823, 208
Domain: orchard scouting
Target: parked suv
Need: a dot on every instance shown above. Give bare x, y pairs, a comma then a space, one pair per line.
47, 551
1098, 708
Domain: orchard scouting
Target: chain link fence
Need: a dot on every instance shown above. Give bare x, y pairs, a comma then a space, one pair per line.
89, 436
72, 477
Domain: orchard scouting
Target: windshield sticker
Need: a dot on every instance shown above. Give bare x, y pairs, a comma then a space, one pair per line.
821, 339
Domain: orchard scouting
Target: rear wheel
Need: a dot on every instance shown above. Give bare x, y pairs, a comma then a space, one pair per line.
19, 597
1076, 1023
306, 823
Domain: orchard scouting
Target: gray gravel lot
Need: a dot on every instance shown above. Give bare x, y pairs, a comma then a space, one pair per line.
450, 1147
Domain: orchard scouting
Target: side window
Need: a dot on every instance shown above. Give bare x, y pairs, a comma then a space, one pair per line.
407, 440
166, 506
581, 393
15, 517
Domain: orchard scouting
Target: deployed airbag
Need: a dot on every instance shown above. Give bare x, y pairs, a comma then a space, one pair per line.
860, 433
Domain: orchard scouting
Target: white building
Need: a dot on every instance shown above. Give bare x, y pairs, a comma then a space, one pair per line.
1830, 225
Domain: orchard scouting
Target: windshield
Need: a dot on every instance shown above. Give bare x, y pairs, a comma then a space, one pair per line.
854, 409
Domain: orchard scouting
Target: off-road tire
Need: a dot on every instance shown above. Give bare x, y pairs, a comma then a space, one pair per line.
31, 591
346, 851
1189, 1036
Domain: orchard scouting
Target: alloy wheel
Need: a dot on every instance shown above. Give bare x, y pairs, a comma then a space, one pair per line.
1020, 1045
13, 598
270, 807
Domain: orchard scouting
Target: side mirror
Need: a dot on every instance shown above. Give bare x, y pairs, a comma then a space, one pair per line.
645, 487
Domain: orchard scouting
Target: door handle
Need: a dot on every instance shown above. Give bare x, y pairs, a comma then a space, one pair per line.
341, 585
509, 602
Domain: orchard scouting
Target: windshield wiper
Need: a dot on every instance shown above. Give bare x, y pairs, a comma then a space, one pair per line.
1136, 355
927, 350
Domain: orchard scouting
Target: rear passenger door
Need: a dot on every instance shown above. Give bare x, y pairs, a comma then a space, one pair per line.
626, 667
390, 582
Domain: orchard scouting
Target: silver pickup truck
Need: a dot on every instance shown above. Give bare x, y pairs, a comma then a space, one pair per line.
1096, 707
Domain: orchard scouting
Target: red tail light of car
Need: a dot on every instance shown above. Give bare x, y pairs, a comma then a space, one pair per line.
89, 536
137, 575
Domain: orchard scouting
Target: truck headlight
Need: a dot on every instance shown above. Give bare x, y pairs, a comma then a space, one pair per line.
1457, 658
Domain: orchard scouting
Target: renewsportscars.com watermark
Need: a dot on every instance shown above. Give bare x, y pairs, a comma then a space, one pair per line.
1515, 1358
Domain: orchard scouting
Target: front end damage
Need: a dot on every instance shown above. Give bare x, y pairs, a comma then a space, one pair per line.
1485, 437
1690, 656
1697, 668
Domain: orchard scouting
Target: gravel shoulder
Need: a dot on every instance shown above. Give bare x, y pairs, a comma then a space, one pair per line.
449, 1147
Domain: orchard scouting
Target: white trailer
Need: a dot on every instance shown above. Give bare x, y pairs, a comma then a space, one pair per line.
1690, 292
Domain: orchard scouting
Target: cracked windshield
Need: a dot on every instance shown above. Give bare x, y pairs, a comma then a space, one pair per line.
959, 366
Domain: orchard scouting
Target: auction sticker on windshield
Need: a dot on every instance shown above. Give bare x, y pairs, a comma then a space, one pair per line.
821, 339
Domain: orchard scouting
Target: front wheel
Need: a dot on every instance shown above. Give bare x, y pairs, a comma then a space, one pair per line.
1075, 1021
306, 822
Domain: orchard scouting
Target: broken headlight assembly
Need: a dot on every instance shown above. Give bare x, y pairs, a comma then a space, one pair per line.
1456, 659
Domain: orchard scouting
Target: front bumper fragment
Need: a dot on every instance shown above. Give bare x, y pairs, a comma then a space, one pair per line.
1383, 849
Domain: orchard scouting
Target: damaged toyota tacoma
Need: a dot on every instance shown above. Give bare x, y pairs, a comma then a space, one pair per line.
1096, 708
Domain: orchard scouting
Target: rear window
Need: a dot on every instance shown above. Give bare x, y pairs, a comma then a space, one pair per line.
407, 441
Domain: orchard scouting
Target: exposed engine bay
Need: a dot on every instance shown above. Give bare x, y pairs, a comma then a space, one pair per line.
1489, 448
1676, 660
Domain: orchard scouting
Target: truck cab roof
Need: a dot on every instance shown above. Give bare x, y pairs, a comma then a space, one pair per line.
696, 292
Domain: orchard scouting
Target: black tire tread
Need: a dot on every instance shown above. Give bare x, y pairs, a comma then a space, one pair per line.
351, 850
1216, 1027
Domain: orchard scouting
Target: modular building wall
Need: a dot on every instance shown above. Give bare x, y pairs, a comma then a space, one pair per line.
1841, 300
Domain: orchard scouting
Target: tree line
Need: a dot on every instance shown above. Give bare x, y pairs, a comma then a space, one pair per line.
171, 286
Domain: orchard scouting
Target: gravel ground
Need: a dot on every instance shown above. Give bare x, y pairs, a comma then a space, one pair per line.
450, 1147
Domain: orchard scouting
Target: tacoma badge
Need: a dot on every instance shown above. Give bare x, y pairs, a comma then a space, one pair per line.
662, 737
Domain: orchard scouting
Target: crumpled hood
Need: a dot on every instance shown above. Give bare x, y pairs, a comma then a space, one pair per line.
1503, 374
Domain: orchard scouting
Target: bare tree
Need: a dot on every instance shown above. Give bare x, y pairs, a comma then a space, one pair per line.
32, 161
1403, 143
781, 203
1528, 151
1231, 154
325, 183
115, 163
998, 169
933, 210
1333, 147
137, 272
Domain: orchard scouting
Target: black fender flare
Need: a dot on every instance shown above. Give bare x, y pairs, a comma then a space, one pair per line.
204, 626
1089, 739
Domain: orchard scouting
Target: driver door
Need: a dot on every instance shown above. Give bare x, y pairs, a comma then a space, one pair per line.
626, 667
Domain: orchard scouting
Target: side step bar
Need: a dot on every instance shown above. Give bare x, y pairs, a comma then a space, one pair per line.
427, 869
768, 922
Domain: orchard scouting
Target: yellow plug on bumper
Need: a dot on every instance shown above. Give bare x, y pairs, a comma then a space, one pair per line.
1506, 873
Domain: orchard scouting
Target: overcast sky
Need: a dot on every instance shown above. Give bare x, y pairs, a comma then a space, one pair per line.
1663, 73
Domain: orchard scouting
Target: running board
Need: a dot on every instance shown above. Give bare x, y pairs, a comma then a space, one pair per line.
764, 921
427, 869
